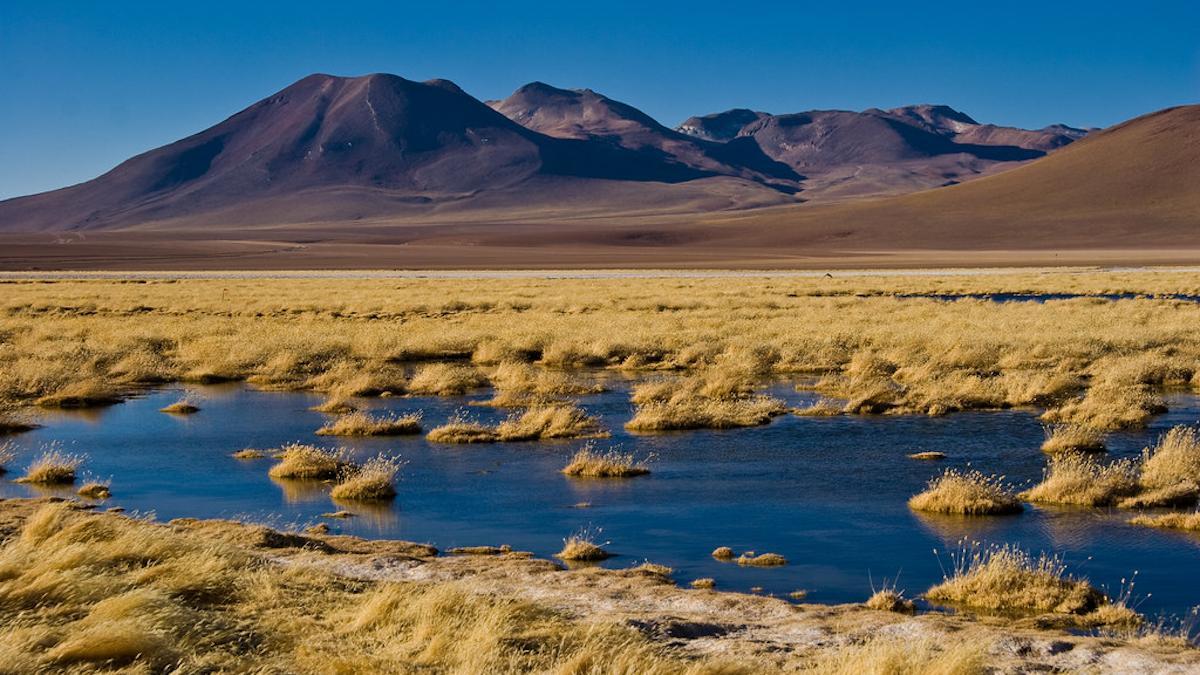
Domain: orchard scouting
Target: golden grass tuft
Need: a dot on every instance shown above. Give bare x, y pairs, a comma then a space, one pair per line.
362, 424
53, 467
90, 393
181, 407
581, 548
542, 422
375, 480
1073, 438
459, 429
445, 379
928, 455
95, 490
1078, 480
1170, 521
1008, 579
589, 463
969, 493
723, 553
705, 413
335, 405
748, 559
1175, 459
523, 385
552, 421
704, 583
891, 600
248, 453
308, 462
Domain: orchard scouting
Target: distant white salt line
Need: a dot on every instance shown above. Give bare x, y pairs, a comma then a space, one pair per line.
580, 273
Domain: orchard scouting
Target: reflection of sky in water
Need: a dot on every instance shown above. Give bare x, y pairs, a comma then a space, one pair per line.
828, 493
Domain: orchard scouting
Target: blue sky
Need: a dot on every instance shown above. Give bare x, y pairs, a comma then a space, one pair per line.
85, 85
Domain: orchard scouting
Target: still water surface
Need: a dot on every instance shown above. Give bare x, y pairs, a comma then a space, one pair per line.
827, 493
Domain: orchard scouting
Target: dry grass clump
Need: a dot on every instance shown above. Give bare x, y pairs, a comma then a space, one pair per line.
521, 385
308, 462
181, 407
375, 480
95, 490
543, 422
589, 463
552, 421
705, 583
720, 397
53, 467
890, 600
874, 347
969, 493
1073, 438
1174, 460
248, 453
1110, 406
335, 405
1076, 479
459, 429
1167, 474
1170, 521
362, 424
445, 379
928, 455
581, 548
723, 553
748, 559
1008, 579
91, 393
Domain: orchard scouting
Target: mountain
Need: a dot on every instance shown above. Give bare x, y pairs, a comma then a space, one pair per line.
1132, 186
583, 114
1126, 195
854, 154
379, 143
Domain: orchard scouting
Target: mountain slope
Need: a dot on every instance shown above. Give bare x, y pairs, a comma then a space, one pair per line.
583, 114
409, 143
877, 152
1136, 184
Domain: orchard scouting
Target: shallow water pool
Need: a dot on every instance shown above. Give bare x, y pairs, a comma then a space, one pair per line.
827, 493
